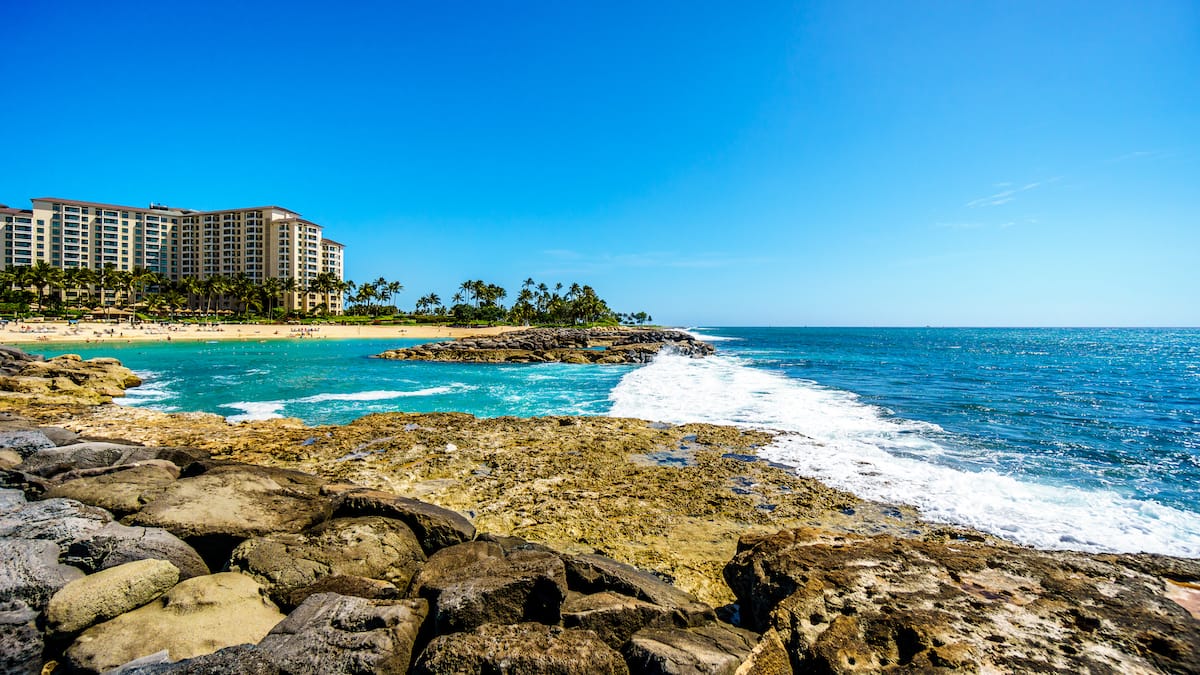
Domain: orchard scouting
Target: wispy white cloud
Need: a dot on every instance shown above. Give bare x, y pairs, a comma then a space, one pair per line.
1009, 194
997, 199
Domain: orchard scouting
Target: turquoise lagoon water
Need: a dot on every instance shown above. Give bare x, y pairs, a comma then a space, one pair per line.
1060, 438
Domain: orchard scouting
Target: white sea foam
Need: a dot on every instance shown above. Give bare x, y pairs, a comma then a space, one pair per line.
695, 332
381, 395
853, 446
255, 410
265, 410
153, 389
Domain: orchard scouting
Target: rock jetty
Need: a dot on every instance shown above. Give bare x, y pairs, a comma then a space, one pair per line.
558, 345
141, 542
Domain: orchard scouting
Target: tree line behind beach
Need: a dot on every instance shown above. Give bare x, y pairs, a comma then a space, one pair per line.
45, 290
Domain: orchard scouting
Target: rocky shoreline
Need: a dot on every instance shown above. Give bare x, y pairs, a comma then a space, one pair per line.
446, 543
558, 345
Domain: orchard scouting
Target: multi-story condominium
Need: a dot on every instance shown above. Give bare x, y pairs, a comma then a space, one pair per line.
259, 242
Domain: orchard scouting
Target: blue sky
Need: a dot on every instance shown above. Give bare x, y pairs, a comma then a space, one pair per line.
841, 163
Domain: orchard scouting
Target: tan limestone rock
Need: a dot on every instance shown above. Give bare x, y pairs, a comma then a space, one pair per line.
198, 616
109, 593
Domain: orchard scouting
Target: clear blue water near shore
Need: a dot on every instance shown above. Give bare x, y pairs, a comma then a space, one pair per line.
1085, 439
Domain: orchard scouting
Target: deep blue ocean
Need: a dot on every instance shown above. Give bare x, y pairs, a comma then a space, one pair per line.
1062, 438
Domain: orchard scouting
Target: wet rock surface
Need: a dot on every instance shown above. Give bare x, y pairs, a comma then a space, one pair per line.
559, 345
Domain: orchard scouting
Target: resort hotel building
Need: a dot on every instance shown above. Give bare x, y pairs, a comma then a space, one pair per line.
260, 242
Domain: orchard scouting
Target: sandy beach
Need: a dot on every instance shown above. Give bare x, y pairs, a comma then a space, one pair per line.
89, 332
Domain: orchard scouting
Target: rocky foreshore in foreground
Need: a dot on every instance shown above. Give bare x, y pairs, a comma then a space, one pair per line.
450, 544
558, 345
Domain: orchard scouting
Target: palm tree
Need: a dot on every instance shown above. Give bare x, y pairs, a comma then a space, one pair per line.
41, 275
271, 289
288, 286
76, 278
104, 280
325, 284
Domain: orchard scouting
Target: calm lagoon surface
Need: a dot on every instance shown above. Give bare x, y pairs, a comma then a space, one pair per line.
1063, 438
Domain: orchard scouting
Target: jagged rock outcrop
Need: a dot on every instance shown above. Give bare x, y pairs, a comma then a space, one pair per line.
865, 604
562, 345
63, 379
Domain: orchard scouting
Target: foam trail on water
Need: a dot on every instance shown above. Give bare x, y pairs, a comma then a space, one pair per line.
381, 395
849, 445
265, 410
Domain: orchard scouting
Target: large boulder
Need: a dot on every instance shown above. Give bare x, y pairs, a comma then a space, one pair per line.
527, 648
25, 442
590, 573
238, 501
121, 491
116, 544
435, 527
108, 594
31, 571
80, 459
704, 650
198, 616
372, 547
525, 585
359, 587
612, 616
21, 643
848, 604
332, 633
62, 521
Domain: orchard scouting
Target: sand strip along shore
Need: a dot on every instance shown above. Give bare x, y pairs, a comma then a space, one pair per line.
62, 332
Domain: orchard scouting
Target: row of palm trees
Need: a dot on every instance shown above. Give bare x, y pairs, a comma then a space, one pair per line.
474, 300
536, 303
123, 288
